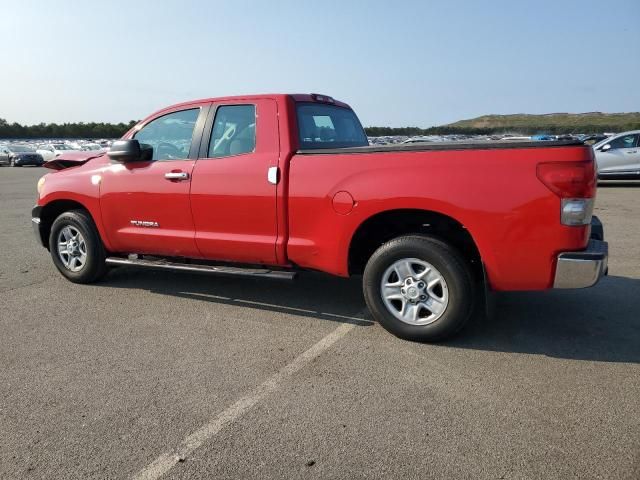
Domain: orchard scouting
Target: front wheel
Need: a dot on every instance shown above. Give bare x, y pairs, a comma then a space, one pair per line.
76, 248
419, 288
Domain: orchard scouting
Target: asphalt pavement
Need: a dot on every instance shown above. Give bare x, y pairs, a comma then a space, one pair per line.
175, 375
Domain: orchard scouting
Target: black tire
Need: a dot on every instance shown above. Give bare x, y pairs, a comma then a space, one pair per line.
450, 264
94, 267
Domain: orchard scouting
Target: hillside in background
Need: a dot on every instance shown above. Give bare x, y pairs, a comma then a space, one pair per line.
552, 123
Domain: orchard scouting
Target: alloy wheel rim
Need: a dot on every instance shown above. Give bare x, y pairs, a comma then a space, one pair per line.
414, 291
72, 249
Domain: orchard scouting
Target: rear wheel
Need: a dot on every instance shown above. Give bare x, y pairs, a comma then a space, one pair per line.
76, 248
419, 288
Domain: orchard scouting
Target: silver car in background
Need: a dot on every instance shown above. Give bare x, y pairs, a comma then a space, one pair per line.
618, 157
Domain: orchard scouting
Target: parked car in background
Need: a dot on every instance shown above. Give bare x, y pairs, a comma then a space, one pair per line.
19, 156
92, 147
618, 157
593, 139
4, 159
75, 146
421, 139
543, 137
49, 151
516, 138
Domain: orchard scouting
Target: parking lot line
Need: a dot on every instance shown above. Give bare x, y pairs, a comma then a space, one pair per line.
166, 461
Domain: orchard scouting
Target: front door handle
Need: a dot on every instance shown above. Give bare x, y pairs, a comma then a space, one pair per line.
176, 176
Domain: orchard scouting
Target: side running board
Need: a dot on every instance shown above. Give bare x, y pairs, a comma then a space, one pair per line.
213, 269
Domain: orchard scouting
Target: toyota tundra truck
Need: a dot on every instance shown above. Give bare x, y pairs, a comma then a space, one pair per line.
272, 185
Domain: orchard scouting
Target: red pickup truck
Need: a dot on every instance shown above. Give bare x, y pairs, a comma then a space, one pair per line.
270, 185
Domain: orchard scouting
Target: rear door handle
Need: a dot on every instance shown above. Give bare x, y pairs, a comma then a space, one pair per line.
176, 176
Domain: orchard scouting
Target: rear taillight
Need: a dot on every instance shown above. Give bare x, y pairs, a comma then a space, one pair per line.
569, 179
575, 184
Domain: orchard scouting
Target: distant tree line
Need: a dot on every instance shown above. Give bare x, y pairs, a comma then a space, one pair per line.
529, 129
64, 130
116, 130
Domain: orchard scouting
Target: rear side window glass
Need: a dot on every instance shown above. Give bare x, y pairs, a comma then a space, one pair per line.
329, 126
234, 131
170, 135
628, 141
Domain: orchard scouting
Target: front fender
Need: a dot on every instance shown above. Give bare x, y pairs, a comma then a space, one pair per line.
80, 186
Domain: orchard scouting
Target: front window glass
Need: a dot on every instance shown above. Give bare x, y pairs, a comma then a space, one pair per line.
170, 135
234, 131
626, 141
329, 126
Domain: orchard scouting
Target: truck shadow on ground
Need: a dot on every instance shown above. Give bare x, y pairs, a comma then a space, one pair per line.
311, 295
601, 323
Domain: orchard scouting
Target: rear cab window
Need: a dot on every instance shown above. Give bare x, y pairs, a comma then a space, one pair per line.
328, 126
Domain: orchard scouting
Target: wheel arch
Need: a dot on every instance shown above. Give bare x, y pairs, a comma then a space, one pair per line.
383, 226
53, 209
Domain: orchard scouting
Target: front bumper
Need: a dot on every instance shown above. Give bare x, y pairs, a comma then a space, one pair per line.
585, 268
35, 222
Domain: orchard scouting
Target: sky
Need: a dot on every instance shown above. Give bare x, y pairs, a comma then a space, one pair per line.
397, 63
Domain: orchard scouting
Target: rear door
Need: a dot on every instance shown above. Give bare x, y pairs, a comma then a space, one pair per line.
232, 200
622, 156
145, 205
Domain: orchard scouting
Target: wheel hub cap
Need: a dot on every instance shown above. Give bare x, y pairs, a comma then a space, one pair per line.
72, 249
414, 291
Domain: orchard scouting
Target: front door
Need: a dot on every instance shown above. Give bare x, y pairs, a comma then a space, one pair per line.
232, 200
145, 205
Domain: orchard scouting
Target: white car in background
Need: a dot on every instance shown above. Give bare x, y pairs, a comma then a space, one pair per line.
618, 157
49, 151
93, 147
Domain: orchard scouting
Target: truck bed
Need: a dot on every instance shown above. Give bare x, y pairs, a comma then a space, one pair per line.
439, 146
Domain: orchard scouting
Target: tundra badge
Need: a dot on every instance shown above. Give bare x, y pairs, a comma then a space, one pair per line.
144, 223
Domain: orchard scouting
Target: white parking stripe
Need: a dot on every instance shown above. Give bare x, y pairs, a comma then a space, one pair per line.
166, 461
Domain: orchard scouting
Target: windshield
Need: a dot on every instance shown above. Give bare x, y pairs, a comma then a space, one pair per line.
329, 126
62, 146
20, 148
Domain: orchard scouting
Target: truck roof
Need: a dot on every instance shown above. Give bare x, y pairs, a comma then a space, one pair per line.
298, 97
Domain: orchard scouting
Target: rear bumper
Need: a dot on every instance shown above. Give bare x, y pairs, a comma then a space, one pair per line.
585, 268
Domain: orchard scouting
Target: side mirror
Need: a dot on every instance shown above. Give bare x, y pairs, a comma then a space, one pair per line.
126, 151
605, 147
